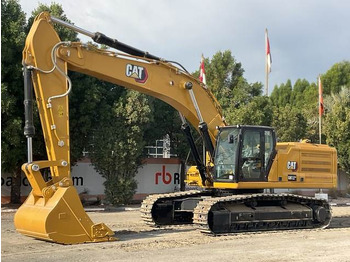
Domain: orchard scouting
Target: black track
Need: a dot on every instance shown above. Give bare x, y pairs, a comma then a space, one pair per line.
261, 212
236, 213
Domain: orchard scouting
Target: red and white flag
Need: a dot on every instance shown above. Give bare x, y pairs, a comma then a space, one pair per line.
320, 97
202, 77
268, 53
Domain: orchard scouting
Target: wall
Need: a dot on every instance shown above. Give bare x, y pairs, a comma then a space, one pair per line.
343, 181
157, 175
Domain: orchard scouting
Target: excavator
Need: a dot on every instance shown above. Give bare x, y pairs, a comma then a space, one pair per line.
241, 163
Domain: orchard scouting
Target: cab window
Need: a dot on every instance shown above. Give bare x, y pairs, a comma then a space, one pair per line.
251, 159
225, 156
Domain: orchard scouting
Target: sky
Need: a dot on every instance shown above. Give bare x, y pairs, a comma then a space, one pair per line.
306, 37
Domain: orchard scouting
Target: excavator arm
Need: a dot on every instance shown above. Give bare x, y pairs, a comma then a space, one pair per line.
53, 210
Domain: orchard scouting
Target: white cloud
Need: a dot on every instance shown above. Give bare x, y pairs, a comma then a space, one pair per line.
306, 37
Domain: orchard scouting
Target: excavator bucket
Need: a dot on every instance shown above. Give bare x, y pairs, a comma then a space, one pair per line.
60, 218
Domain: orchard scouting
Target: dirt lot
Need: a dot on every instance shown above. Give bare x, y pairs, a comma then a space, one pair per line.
139, 242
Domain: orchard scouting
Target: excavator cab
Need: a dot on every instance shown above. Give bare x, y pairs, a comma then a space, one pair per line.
244, 153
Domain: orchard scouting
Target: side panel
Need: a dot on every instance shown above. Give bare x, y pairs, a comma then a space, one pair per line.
306, 165
297, 165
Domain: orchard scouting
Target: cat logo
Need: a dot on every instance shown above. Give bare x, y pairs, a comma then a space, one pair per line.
139, 73
292, 165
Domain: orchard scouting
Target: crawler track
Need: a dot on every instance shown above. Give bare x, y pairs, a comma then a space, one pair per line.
260, 212
156, 209
236, 213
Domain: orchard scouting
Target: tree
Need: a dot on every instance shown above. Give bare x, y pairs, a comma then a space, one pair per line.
308, 104
225, 79
289, 123
337, 125
257, 112
336, 77
12, 140
297, 97
166, 121
281, 96
233, 92
118, 143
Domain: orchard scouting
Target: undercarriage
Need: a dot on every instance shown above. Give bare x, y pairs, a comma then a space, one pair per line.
216, 214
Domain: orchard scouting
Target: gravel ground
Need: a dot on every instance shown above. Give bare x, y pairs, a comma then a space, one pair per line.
139, 242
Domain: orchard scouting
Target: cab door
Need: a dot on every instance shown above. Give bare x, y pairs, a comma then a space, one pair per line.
256, 153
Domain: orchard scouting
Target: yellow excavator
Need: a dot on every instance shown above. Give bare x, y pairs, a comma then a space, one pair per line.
240, 163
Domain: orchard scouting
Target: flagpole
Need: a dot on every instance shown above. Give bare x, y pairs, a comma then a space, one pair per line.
266, 67
320, 124
266, 79
319, 111
319, 115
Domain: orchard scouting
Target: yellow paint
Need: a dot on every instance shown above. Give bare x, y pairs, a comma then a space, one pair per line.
60, 111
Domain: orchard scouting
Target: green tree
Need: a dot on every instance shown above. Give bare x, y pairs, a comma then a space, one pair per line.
308, 104
281, 96
86, 98
218, 72
289, 123
257, 112
336, 77
12, 140
297, 97
166, 121
225, 79
118, 143
337, 125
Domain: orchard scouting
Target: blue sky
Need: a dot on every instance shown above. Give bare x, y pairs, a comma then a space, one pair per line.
306, 36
